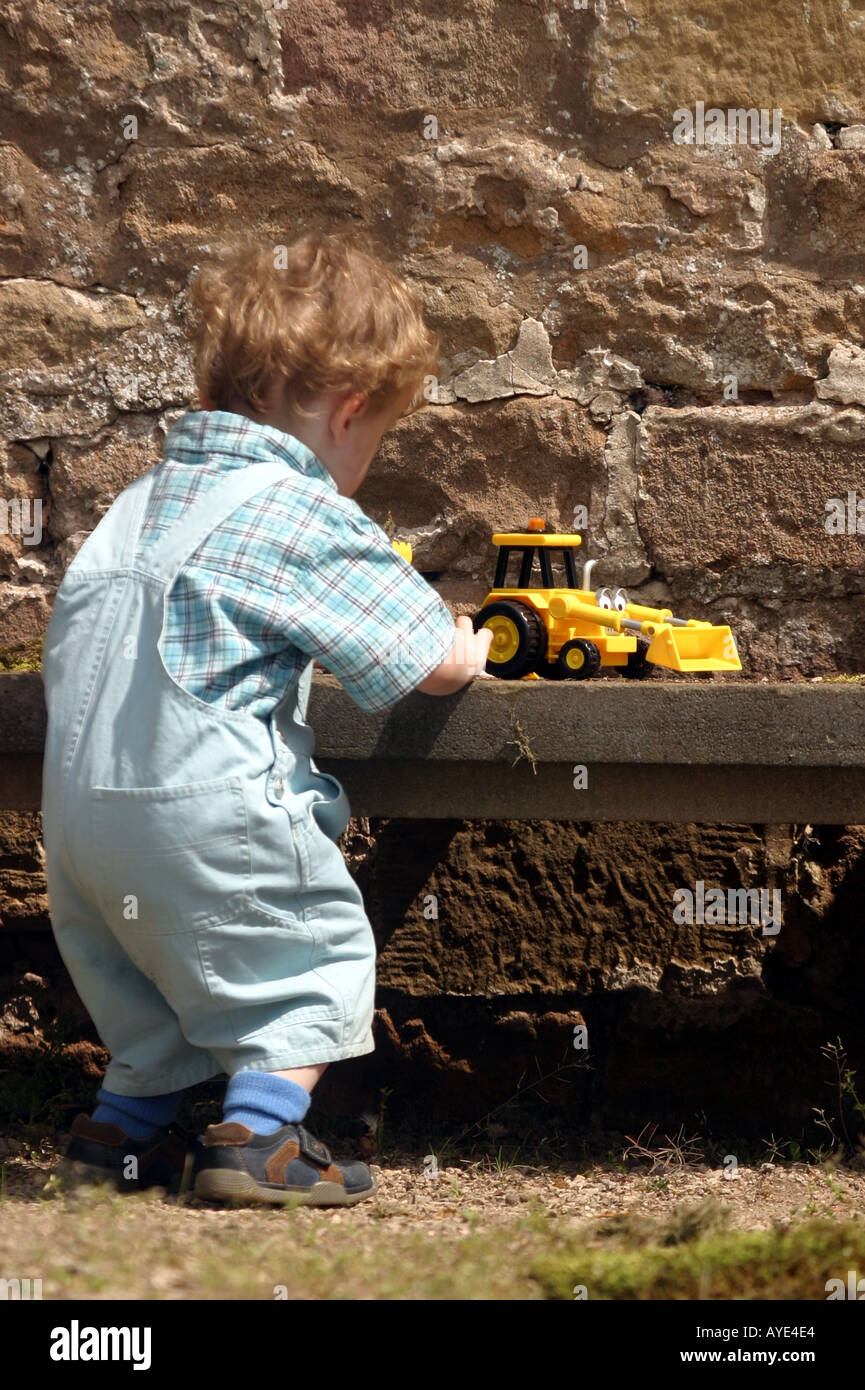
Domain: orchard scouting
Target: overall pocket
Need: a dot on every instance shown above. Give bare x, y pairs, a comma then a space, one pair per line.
260, 975
170, 859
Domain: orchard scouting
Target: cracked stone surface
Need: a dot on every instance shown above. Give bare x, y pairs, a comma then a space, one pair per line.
845, 380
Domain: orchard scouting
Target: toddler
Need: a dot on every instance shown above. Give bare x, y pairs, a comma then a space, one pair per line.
197, 892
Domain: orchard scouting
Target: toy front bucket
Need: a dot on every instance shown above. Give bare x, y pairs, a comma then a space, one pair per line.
697, 648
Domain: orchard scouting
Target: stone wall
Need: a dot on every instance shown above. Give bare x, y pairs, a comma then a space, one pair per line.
664, 331
692, 376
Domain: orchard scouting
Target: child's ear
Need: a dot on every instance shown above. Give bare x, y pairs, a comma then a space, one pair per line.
347, 407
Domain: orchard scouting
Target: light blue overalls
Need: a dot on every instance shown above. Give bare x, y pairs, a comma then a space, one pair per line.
197, 894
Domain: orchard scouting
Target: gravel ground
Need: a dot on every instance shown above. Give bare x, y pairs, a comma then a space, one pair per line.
470, 1232
757, 1197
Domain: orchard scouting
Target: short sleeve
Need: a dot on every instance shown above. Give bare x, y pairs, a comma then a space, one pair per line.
362, 611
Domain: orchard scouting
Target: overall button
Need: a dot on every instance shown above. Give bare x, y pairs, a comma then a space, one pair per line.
279, 787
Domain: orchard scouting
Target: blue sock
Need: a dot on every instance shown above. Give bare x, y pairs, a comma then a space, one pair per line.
137, 1116
264, 1102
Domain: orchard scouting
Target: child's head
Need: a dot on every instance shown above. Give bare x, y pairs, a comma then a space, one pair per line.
317, 338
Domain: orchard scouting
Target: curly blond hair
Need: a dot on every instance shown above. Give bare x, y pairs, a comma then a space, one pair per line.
321, 313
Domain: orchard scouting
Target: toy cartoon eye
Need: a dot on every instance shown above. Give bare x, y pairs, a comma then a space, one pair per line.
620, 600
603, 598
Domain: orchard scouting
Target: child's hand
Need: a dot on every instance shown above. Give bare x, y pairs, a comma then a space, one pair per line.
467, 658
471, 648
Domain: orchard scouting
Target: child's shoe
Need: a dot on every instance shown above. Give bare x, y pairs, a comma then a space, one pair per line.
234, 1164
104, 1153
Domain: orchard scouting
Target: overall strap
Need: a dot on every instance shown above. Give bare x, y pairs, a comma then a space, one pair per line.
167, 556
130, 507
113, 540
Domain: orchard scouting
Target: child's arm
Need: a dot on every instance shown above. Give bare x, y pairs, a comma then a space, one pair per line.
467, 658
358, 607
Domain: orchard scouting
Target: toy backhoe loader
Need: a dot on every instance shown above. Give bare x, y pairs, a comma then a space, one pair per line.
570, 630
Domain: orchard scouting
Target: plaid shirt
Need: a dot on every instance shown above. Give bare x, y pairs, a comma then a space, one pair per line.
296, 572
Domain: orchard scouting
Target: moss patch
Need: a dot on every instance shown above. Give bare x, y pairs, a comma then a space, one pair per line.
723, 1265
27, 656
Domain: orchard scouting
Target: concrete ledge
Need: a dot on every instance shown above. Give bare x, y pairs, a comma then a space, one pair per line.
664, 750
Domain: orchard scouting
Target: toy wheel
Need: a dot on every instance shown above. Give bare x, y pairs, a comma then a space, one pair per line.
519, 638
579, 659
637, 667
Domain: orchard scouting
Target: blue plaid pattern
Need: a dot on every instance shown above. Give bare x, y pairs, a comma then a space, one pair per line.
294, 573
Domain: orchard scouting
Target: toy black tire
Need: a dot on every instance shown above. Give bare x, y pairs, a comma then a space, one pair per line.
530, 637
637, 667
591, 659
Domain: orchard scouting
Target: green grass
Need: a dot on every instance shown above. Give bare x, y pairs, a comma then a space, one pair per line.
141, 1247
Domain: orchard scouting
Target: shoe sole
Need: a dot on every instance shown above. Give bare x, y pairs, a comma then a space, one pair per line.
71, 1173
230, 1185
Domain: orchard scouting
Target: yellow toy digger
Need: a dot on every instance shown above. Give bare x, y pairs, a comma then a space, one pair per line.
571, 631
